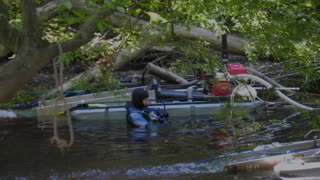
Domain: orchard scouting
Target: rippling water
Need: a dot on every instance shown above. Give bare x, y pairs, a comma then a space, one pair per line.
108, 150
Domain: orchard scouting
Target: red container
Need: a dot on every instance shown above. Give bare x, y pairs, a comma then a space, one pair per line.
221, 88
237, 68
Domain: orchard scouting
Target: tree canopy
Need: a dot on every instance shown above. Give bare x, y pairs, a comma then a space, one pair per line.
286, 31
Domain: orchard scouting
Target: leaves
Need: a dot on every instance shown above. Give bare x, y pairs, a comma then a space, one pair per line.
108, 2
67, 4
101, 25
6, 2
154, 17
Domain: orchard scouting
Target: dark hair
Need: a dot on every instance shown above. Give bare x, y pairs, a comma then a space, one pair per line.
137, 97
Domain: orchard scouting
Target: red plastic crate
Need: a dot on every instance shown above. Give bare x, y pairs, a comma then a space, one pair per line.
237, 68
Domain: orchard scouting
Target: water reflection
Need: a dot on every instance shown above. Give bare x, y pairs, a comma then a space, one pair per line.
109, 150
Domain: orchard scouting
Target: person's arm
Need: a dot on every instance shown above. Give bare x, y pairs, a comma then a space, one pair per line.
160, 112
138, 120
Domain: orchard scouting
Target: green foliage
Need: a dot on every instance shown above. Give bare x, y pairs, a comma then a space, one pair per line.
6, 2
196, 55
278, 28
67, 4
313, 117
71, 57
82, 85
243, 128
14, 14
229, 110
315, 122
22, 97
97, 84
237, 120
288, 31
56, 32
154, 17
107, 81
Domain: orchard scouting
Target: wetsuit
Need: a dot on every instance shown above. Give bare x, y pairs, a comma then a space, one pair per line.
139, 115
147, 117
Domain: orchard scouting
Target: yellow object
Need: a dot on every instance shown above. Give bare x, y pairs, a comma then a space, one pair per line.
97, 105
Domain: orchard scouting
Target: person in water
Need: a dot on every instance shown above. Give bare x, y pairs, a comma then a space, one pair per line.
139, 115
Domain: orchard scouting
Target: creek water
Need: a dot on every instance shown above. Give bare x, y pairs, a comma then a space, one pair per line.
112, 151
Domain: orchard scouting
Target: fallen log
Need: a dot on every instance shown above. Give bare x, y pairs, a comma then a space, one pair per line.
235, 43
93, 72
147, 30
165, 74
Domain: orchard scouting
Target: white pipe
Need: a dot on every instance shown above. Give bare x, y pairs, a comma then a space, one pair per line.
269, 86
279, 88
271, 81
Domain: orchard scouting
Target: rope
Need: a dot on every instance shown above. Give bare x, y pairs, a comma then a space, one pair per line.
58, 79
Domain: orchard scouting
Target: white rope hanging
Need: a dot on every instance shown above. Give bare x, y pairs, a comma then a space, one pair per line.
58, 78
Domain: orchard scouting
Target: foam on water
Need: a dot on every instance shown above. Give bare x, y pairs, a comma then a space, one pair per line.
172, 170
7, 114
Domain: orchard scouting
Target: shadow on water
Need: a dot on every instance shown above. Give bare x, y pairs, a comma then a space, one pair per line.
109, 150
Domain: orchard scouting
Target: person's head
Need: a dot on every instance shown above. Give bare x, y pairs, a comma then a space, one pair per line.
139, 98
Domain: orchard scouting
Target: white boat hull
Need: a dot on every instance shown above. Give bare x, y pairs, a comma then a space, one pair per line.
298, 168
187, 110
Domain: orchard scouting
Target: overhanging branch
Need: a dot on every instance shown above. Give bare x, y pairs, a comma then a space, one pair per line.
85, 33
118, 19
51, 8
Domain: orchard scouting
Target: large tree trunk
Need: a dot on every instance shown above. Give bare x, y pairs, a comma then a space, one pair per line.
16, 73
32, 53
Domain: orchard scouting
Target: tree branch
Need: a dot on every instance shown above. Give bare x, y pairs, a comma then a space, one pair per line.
118, 19
51, 8
30, 21
48, 10
10, 37
3, 8
85, 33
